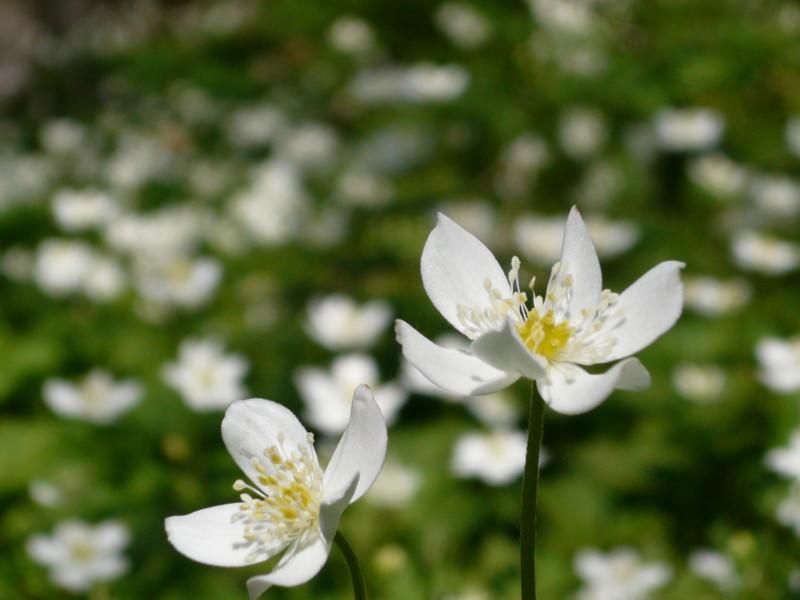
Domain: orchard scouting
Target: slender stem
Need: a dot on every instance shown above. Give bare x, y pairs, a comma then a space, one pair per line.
359, 591
530, 488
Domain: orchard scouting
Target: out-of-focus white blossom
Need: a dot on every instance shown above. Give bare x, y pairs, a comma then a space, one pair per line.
206, 377
620, 574
311, 146
61, 266
396, 486
351, 35
776, 197
273, 207
137, 159
520, 163
715, 567
327, 394
688, 130
718, 175
96, 398
169, 231
715, 297
45, 493
463, 24
422, 82
80, 210
338, 323
62, 136
599, 185
764, 253
254, 126
496, 411
779, 363
496, 458
476, 215
582, 132
361, 187
788, 510
78, 554
178, 280
786, 460
699, 383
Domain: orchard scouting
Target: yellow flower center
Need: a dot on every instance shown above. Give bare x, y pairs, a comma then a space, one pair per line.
542, 335
288, 501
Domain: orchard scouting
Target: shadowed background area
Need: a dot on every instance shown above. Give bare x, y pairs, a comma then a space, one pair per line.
206, 201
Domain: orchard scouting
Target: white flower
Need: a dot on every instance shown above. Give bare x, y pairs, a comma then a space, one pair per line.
786, 461
311, 146
205, 376
273, 207
290, 504
582, 132
351, 35
539, 238
700, 383
97, 398
718, 175
338, 323
776, 197
45, 493
497, 410
416, 382
475, 215
105, 280
61, 266
360, 187
79, 554
792, 135
716, 567
788, 511
327, 394
779, 363
169, 231
618, 575
576, 323
254, 126
177, 280
80, 210
520, 163
396, 485
688, 130
764, 253
62, 136
464, 25
422, 82
715, 297
496, 458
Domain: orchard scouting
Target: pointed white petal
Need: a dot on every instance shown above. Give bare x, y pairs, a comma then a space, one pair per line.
650, 306
580, 391
307, 556
361, 449
455, 266
504, 350
251, 426
454, 371
209, 536
579, 259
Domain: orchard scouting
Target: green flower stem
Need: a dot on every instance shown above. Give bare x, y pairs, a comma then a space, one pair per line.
530, 489
359, 591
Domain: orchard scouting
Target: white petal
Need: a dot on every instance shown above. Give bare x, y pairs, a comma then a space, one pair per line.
209, 536
576, 391
455, 266
251, 426
650, 306
579, 259
454, 371
504, 350
361, 449
307, 556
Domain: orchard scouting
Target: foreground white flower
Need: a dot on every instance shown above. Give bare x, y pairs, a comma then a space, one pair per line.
206, 377
327, 393
96, 398
290, 504
575, 324
619, 575
779, 363
496, 458
337, 322
79, 554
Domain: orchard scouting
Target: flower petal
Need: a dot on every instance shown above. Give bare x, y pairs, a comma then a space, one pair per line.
361, 449
209, 536
454, 371
650, 306
504, 350
251, 426
455, 266
575, 391
307, 556
579, 259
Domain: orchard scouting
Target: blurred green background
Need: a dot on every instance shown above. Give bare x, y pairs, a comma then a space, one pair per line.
517, 112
